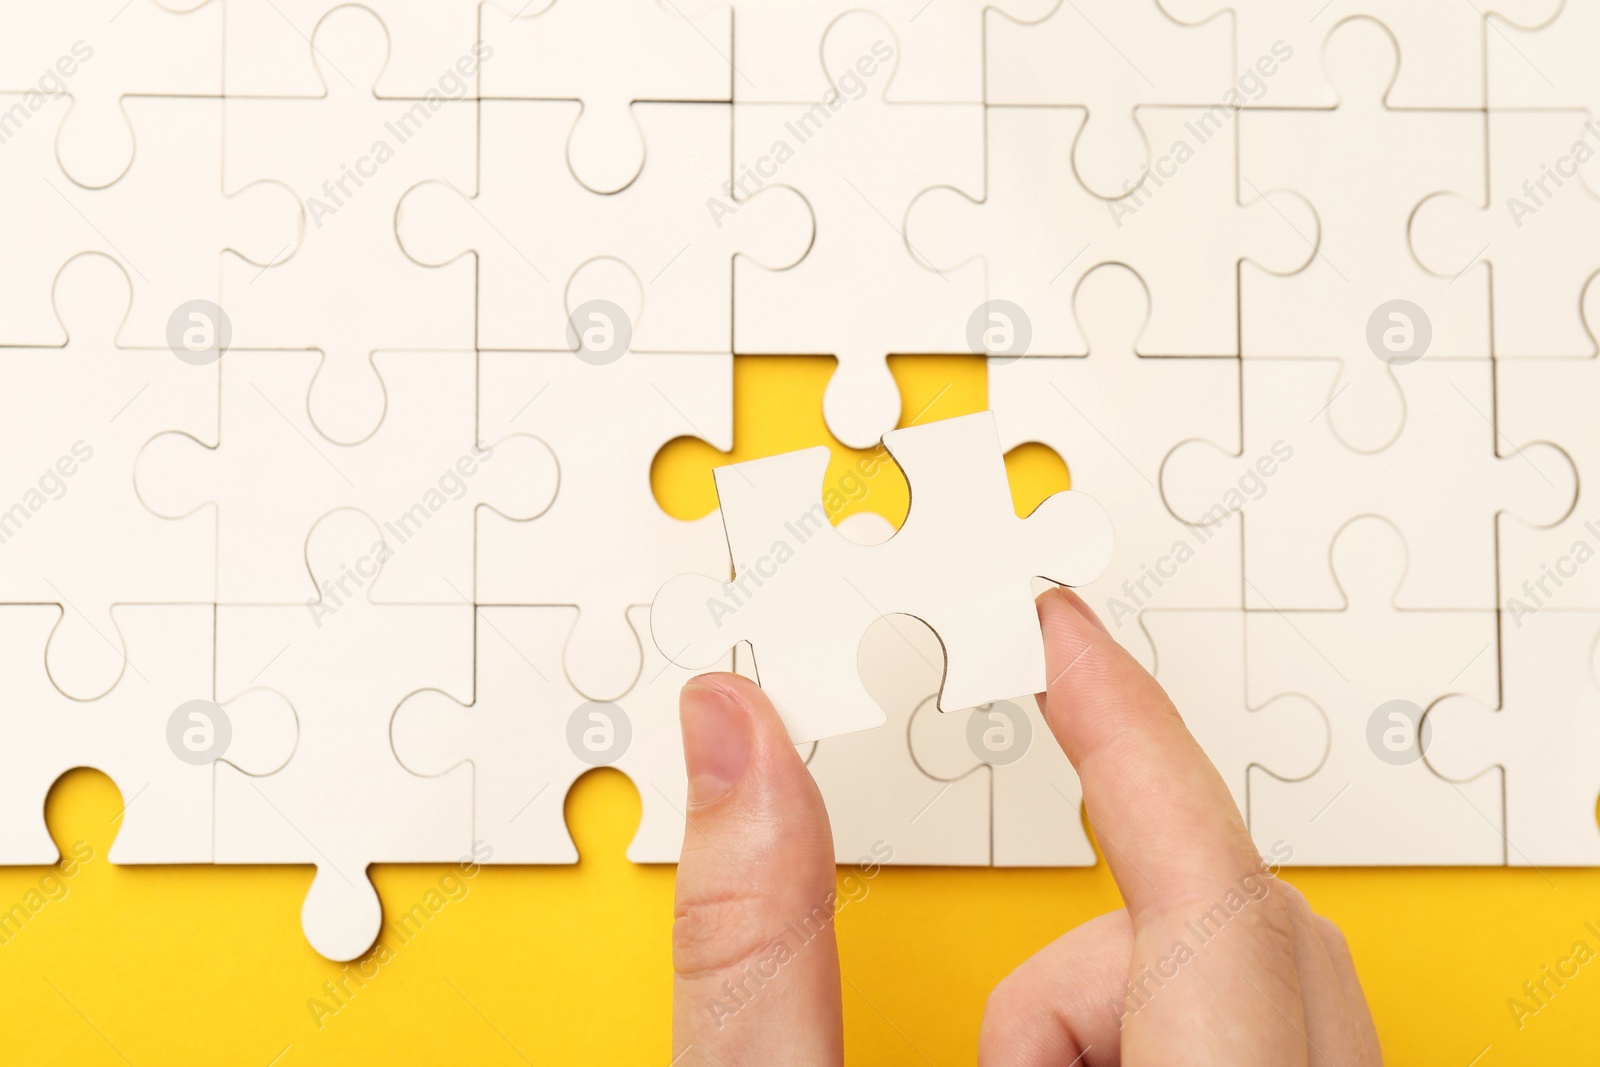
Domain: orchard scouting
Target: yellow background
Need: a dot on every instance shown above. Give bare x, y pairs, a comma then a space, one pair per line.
572, 965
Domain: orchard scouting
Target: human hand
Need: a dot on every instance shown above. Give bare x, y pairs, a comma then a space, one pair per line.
1213, 961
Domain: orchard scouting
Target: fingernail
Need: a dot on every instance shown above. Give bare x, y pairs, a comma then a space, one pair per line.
716, 741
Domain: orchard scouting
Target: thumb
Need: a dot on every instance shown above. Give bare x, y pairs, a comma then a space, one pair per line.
757, 970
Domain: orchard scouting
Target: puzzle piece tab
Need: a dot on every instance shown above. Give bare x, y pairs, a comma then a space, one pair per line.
879, 298
343, 801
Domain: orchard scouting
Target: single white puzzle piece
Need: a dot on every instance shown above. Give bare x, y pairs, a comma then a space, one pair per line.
134, 734
792, 570
859, 165
99, 52
348, 290
1113, 416
604, 545
1533, 236
607, 54
940, 47
422, 475
75, 532
168, 220
1374, 669
1184, 229
528, 735
1111, 57
531, 225
1364, 166
1200, 662
1277, 43
1541, 744
984, 786
1443, 483
343, 801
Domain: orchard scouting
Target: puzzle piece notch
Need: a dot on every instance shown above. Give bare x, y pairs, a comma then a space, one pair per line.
177, 175
1527, 242
1200, 662
607, 55
131, 734
348, 290
1365, 166
432, 48
939, 48
77, 535
1116, 414
343, 802
875, 791
1543, 739
427, 525
525, 199
1036, 229
1112, 57
103, 51
1441, 483
1372, 668
614, 543
1276, 43
528, 735
882, 300
779, 534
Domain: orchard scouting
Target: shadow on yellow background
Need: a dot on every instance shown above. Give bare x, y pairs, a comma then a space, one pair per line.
161, 965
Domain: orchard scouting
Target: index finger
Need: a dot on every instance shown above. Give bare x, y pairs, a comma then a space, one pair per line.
1168, 826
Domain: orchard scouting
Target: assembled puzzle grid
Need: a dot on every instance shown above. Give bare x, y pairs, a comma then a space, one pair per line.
337, 342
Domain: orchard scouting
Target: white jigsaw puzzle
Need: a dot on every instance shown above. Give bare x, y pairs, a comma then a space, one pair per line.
338, 343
